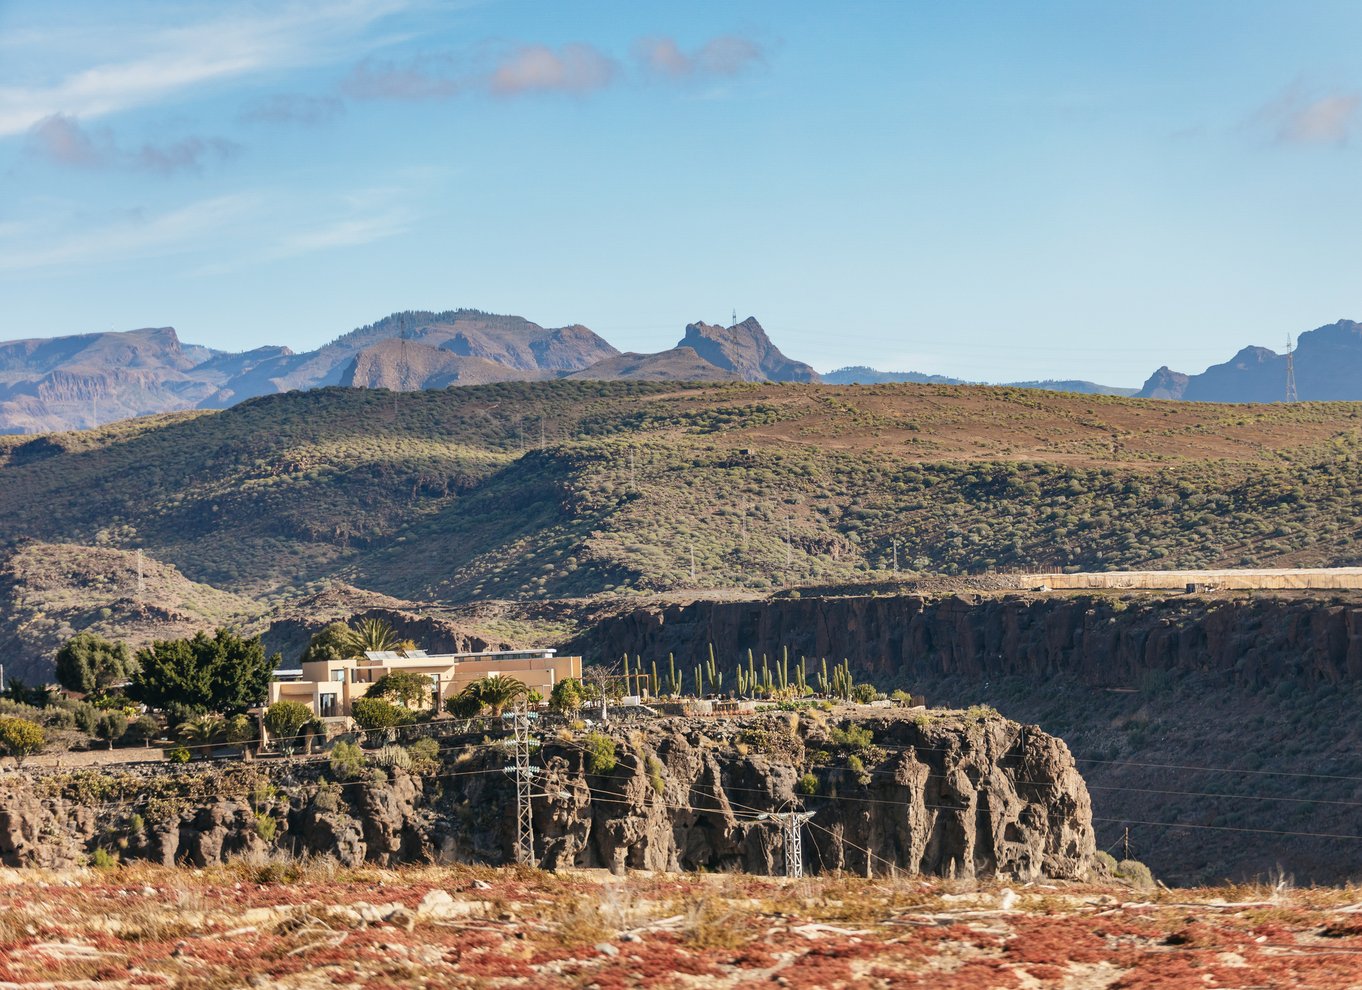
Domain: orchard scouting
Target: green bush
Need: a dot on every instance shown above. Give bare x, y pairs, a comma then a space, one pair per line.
347, 760
392, 758
284, 720
178, 754
103, 859
601, 753
1135, 873
808, 785
853, 737
20, 738
110, 726
266, 826
374, 713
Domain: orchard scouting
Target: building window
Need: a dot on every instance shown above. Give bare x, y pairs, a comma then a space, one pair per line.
338, 675
328, 706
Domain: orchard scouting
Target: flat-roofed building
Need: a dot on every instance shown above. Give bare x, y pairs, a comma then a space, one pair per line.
330, 687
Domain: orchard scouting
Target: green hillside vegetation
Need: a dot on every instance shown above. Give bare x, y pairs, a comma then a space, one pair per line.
446, 496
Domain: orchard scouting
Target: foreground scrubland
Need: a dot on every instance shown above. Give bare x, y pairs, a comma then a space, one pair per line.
303, 925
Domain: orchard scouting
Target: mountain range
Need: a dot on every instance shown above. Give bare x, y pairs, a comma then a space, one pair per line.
75, 382
80, 381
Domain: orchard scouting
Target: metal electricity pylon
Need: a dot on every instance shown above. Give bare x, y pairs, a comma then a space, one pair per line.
524, 774
792, 827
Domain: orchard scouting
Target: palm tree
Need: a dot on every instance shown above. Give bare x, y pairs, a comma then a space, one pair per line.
496, 692
372, 635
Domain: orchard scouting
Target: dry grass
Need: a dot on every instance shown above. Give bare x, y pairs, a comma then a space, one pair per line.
313, 924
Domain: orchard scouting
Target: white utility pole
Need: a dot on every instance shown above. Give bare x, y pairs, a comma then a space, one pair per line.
141, 584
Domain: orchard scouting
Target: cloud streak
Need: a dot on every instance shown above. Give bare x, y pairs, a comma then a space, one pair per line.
1304, 119
63, 141
292, 108
724, 56
172, 60
575, 69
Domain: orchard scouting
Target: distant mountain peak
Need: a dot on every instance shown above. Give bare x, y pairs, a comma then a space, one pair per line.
745, 350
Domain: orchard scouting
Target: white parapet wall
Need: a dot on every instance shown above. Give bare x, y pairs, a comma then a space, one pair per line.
1322, 578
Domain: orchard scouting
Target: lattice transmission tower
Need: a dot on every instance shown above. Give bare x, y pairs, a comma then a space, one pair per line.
1291, 395
524, 775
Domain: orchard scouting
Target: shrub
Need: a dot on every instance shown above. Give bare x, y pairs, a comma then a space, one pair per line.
347, 760
601, 755
854, 737
655, 777
266, 827
425, 755
405, 687
375, 713
808, 785
102, 859
392, 758
857, 766
178, 754
566, 696
464, 705
20, 738
1135, 873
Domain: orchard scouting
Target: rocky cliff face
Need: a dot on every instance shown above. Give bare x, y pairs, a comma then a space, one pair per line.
952, 795
1105, 641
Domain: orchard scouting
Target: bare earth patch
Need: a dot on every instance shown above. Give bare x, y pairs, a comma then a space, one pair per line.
314, 925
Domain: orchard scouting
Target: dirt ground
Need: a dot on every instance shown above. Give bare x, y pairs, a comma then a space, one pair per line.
315, 925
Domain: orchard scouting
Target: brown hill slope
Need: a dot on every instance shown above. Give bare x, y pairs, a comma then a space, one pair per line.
745, 350
49, 592
680, 364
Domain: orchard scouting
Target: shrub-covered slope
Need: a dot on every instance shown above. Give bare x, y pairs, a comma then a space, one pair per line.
569, 488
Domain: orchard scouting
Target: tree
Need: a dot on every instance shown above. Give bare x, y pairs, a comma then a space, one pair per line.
375, 713
88, 662
202, 731
464, 705
376, 635
20, 738
496, 693
407, 688
223, 673
331, 642
285, 720
145, 728
566, 696
111, 726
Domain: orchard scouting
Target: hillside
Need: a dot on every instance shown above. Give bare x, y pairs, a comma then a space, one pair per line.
49, 592
449, 496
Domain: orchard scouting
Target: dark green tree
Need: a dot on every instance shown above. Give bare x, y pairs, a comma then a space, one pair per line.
405, 687
332, 642
88, 662
223, 673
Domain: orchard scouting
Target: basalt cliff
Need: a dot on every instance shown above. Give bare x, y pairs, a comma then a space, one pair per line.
947, 794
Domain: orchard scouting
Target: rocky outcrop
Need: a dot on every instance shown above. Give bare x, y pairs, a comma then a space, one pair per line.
1103, 640
963, 794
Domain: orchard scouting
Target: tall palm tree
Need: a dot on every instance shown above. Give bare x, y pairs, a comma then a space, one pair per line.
372, 635
496, 692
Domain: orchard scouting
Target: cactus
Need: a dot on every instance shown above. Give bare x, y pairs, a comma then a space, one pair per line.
673, 678
802, 677
654, 686
783, 671
628, 688
742, 681
699, 681
824, 685
716, 679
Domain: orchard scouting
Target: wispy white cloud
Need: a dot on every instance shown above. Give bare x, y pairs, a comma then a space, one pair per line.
171, 60
63, 140
421, 77
131, 235
1300, 117
343, 233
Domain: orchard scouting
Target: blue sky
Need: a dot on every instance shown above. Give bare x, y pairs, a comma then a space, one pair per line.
991, 190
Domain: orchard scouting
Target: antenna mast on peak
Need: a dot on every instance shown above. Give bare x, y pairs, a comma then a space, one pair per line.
735, 317
1291, 395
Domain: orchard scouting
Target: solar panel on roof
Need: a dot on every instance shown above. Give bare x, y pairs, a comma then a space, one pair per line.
413, 654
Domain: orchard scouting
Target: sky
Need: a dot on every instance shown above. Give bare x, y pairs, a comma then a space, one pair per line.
990, 190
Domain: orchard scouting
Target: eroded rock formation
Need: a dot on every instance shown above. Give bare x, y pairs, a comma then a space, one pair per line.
962, 795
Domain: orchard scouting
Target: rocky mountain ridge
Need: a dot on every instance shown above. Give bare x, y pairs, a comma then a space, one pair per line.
76, 382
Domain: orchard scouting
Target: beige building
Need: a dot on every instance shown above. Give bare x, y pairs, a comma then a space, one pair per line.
329, 687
